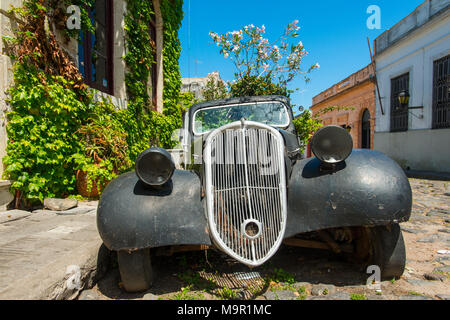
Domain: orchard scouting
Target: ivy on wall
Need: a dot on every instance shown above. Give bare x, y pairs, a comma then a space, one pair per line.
147, 127
49, 104
139, 58
140, 53
172, 14
46, 113
56, 127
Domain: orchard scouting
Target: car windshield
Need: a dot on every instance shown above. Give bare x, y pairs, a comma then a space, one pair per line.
270, 113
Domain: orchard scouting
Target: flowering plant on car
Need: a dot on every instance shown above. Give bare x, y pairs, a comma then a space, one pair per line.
254, 56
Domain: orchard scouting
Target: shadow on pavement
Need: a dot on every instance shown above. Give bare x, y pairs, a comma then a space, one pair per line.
213, 270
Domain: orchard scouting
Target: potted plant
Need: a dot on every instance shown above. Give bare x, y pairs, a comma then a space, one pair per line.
106, 151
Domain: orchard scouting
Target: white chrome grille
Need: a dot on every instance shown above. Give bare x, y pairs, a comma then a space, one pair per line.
246, 190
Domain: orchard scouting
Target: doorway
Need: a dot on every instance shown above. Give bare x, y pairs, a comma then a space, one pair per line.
365, 130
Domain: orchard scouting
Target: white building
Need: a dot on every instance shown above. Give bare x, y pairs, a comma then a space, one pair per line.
414, 55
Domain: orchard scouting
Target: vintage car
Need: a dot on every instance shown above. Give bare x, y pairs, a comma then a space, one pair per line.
242, 187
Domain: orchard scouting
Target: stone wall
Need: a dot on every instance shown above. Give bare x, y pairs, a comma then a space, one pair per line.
7, 27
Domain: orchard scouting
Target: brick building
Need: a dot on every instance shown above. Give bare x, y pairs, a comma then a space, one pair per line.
354, 99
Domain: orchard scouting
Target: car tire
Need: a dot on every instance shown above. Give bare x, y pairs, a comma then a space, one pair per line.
388, 250
135, 270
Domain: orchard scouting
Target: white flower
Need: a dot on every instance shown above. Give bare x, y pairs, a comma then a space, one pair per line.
316, 66
226, 55
214, 36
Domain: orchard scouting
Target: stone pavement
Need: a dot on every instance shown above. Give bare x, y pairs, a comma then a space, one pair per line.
49, 254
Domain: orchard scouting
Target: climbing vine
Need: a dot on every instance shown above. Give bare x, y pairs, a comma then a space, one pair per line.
46, 113
172, 14
144, 125
49, 103
140, 53
55, 127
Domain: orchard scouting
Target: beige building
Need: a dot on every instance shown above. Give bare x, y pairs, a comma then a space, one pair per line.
197, 85
105, 73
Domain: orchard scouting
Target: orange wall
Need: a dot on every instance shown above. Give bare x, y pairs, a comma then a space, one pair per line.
360, 97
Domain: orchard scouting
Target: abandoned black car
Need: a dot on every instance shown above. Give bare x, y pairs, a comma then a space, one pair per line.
242, 187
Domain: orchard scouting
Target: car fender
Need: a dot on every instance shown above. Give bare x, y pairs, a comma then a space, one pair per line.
132, 215
367, 189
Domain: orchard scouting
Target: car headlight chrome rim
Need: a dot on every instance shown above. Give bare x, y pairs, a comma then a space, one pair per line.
332, 144
154, 166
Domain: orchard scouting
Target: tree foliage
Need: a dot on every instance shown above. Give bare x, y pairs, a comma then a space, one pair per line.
255, 58
256, 86
264, 68
214, 89
306, 125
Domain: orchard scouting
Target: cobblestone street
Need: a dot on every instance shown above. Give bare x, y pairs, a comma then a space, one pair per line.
301, 273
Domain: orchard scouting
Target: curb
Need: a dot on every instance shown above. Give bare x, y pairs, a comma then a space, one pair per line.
429, 175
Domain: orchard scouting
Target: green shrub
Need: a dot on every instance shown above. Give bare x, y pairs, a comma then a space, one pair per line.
256, 86
43, 134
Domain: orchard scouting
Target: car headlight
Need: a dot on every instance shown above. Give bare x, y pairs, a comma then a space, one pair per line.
332, 144
154, 166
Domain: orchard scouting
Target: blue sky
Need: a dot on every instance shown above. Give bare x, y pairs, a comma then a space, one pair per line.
333, 32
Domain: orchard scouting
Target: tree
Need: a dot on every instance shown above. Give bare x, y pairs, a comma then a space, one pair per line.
260, 66
256, 86
215, 88
306, 125
264, 68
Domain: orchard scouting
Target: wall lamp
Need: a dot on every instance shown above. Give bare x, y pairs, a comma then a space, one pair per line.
403, 99
347, 127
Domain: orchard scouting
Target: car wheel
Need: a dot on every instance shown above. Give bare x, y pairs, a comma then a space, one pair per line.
135, 270
383, 246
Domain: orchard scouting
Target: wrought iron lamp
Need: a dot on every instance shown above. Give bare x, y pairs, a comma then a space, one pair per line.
347, 127
403, 99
